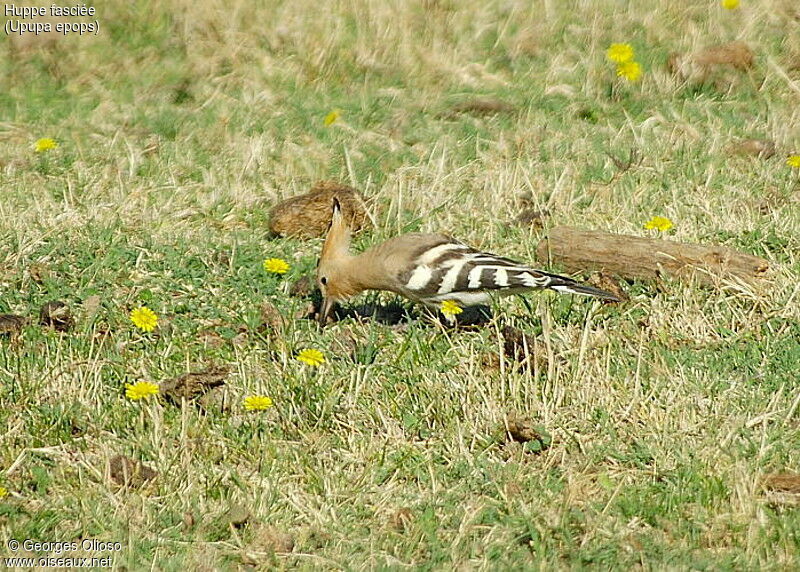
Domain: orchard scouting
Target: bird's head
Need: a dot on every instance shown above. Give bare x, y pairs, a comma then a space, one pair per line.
333, 273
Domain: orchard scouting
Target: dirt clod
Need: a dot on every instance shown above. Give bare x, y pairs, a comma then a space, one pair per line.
782, 482
490, 361
38, 272
272, 539
308, 215
271, 318
782, 489
11, 324
608, 283
56, 315
519, 346
192, 385
715, 65
309, 311
128, 472
237, 515
90, 307
734, 54
533, 218
210, 338
303, 287
534, 438
483, 106
402, 519
761, 148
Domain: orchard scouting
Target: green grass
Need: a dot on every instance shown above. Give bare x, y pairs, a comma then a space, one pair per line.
180, 126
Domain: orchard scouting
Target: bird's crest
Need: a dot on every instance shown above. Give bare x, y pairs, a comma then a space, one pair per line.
337, 241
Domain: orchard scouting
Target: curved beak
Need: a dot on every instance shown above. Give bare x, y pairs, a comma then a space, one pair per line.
326, 311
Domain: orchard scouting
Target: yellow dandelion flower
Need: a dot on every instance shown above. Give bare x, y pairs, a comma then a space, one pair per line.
450, 308
276, 265
257, 402
44, 144
311, 357
3, 492
794, 161
331, 118
620, 53
631, 71
658, 223
730, 4
140, 390
144, 318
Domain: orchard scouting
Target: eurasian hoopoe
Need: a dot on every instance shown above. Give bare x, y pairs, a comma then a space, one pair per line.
427, 268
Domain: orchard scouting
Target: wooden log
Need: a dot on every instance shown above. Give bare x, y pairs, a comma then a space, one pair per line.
646, 258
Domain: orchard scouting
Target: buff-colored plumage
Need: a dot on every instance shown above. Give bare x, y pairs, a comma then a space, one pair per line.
429, 269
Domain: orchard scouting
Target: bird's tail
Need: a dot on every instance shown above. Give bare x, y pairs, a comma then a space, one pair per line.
564, 284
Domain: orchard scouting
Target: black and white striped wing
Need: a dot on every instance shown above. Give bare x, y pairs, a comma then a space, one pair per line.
453, 271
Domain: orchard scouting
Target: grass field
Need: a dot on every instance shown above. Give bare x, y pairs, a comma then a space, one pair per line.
181, 123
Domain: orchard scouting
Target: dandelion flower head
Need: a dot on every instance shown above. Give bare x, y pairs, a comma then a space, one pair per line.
44, 144
620, 53
730, 4
631, 71
276, 265
140, 390
658, 223
794, 161
144, 318
450, 308
331, 118
257, 402
311, 357
3, 492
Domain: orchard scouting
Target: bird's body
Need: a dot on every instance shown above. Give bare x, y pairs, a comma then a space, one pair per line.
429, 268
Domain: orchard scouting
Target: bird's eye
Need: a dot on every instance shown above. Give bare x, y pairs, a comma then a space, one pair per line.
323, 281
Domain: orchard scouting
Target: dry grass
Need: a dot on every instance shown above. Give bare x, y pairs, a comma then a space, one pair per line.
181, 124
